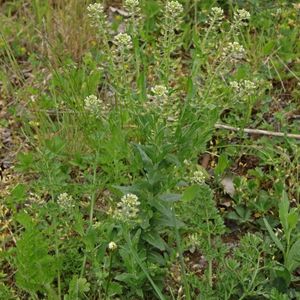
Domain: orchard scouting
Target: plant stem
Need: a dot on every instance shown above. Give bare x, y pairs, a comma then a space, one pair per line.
91, 215
210, 271
139, 262
109, 275
178, 244
58, 274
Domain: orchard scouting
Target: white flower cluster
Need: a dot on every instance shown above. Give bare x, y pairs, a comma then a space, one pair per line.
112, 246
35, 198
187, 163
132, 6
216, 15
198, 177
234, 52
131, 3
193, 241
160, 91
65, 201
173, 9
159, 96
243, 88
241, 16
123, 41
96, 14
127, 208
92, 105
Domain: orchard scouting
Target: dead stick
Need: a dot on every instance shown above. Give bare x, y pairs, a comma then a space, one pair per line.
259, 131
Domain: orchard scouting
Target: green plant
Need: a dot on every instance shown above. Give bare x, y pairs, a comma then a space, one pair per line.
36, 267
289, 246
117, 191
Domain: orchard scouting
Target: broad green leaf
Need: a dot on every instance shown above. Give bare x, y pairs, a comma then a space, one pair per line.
191, 193
293, 256
292, 219
282, 277
25, 220
147, 162
222, 164
114, 289
154, 239
170, 197
273, 236
283, 211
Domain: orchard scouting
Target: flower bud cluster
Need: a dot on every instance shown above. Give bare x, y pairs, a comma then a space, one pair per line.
123, 42
233, 52
216, 16
241, 18
159, 96
173, 9
112, 246
65, 201
97, 16
92, 104
128, 208
133, 7
198, 177
244, 88
172, 16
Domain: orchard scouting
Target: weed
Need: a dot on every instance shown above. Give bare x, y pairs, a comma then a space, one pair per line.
118, 190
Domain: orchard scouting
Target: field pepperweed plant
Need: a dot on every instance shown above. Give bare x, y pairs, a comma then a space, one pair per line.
128, 166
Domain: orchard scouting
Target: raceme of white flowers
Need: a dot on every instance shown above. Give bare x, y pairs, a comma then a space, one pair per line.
92, 104
216, 15
112, 246
198, 177
127, 208
123, 41
132, 6
243, 88
159, 91
159, 97
131, 3
234, 52
173, 9
65, 200
172, 17
96, 14
241, 16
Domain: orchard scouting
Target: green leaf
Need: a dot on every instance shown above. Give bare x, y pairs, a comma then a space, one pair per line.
283, 211
36, 269
18, 194
147, 162
114, 289
154, 239
282, 278
191, 193
292, 219
293, 256
273, 236
170, 197
24, 161
24, 219
222, 165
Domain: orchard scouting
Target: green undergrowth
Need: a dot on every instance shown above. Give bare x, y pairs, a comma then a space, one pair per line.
126, 188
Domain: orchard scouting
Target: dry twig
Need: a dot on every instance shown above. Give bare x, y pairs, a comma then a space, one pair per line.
259, 131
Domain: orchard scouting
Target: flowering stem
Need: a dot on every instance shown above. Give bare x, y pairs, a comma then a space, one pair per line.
58, 272
209, 244
91, 216
196, 14
139, 262
178, 244
109, 274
